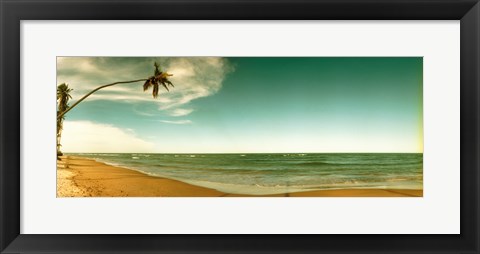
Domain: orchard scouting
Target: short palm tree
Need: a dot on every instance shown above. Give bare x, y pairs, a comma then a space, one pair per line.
63, 95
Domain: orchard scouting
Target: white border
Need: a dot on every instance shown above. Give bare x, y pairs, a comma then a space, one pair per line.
436, 213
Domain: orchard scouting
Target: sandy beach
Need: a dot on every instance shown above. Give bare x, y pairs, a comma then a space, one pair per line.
83, 177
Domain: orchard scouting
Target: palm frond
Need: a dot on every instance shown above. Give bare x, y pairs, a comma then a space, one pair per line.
147, 84
157, 69
170, 83
155, 90
164, 85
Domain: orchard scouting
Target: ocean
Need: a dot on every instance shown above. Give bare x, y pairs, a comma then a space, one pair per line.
278, 173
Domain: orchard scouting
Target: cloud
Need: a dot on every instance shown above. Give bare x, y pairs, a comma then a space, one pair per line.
194, 77
90, 137
181, 112
176, 121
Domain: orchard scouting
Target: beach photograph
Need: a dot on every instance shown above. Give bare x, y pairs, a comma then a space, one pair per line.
239, 127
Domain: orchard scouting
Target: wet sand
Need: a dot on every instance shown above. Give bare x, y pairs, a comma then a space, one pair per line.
83, 177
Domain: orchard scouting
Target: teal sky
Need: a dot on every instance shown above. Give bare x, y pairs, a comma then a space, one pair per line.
247, 104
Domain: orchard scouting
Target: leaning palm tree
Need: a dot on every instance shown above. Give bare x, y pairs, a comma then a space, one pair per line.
63, 96
159, 77
154, 81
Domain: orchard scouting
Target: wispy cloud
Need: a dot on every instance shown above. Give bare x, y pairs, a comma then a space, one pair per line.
194, 78
176, 121
180, 112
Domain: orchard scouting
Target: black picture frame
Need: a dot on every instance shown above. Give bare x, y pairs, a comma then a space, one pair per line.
13, 11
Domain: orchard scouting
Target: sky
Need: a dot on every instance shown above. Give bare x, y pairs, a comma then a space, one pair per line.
246, 105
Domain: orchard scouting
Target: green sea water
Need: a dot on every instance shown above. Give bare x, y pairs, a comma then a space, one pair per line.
280, 172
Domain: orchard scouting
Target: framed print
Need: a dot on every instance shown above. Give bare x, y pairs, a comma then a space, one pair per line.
242, 126
217, 155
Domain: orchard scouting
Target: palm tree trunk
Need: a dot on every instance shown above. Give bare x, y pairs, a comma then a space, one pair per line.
94, 90
59, 135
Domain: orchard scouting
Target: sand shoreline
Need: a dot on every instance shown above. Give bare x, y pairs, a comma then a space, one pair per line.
84, 177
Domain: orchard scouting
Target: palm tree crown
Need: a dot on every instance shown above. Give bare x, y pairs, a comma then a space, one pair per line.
158, 78
63, 96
